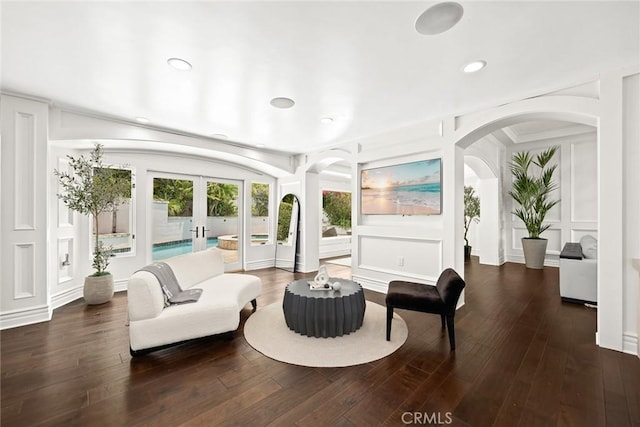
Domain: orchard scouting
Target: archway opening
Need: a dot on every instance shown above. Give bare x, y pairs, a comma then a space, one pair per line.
327, 172
509, 129
484, 235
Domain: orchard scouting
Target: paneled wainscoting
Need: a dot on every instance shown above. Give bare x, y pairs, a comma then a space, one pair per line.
523, 358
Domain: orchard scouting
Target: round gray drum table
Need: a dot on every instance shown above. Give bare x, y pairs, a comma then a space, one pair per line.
324, 313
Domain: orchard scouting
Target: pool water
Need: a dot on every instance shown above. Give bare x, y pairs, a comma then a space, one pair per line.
168, 251
165, 250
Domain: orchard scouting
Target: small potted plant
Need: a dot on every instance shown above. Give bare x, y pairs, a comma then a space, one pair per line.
532, 191
91, 189
471, 213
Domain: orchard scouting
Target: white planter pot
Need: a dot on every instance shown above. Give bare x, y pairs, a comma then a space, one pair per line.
534, 252
98, 289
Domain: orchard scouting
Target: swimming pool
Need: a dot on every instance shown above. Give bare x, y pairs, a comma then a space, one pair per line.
165, 250
169, 249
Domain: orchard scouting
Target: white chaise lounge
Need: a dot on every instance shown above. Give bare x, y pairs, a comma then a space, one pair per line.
152, 325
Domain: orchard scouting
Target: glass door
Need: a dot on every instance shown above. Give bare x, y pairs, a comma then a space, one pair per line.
172, 220
223, 231
192, 213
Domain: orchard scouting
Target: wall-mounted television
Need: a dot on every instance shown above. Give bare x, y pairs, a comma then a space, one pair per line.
404, 189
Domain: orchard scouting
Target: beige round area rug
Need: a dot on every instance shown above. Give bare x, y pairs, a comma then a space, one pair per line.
266, 331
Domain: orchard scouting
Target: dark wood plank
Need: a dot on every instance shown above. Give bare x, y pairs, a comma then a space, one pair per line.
523, 358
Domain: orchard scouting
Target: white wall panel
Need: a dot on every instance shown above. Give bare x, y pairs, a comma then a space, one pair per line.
578, 233
65, 215
24, 200
24, 181
24, 259
553, 236
584, 182
409, 257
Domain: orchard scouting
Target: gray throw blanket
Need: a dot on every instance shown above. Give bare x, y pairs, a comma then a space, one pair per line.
169, 284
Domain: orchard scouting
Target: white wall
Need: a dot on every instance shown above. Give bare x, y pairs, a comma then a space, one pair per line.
24, 270
390, 247
631, 214
65, 231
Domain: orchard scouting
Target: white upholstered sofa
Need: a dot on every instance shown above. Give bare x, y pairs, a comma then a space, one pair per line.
153, 325
579, 271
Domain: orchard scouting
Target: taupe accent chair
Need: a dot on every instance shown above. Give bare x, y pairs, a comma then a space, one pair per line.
440, 299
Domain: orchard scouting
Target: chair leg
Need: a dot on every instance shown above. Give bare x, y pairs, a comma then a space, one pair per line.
442, 318
452, 334
389, 318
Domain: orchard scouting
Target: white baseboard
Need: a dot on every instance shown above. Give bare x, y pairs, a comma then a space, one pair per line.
16, 318
630, 344
264, 263
65, 297
70, 295
120, 285
372, 284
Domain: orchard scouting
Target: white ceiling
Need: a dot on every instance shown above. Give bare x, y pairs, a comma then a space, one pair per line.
361, 63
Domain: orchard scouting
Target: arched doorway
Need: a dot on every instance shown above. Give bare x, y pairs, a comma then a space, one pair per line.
583, 110
307, 183
487, 242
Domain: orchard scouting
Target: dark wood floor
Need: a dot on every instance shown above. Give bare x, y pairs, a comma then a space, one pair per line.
523, 358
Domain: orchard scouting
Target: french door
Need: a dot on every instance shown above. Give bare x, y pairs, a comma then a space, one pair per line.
193, 213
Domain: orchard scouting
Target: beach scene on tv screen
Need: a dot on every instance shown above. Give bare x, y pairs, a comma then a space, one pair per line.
404, 189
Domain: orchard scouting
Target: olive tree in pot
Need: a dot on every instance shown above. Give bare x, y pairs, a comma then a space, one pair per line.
91, 188
532, 191
471, 213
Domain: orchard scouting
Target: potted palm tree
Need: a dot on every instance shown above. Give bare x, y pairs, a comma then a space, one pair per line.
532, 191
92, 188
471, 213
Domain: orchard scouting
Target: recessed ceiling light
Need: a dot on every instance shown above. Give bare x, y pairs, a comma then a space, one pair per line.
474, 66
142, 120
260, 145
439, 18
326, 120
219, 136
179, 64
281, 102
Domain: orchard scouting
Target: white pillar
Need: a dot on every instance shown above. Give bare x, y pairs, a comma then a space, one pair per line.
310, 230
453, 205
610, 214
489, 242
